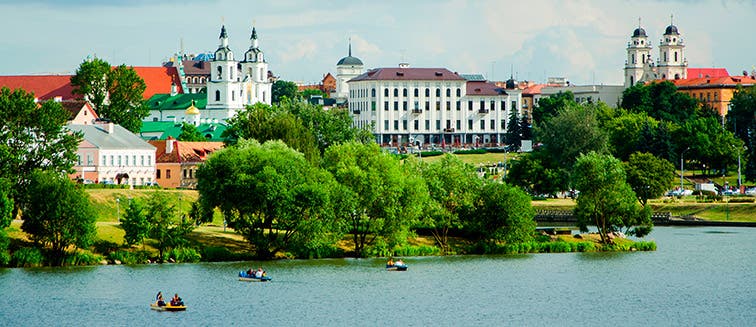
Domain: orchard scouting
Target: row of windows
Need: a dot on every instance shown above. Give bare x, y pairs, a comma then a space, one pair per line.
119, 160
708, 96
196, 80
457, 126
404, 91
438, 105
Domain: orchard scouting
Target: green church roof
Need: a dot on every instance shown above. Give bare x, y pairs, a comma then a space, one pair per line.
161, 130
177, 102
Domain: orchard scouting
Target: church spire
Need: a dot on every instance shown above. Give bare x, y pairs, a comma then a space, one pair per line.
350, 46
253, 38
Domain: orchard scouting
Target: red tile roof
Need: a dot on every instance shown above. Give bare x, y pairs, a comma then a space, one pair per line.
184, 151
707, 72
726, 81
158, 80
44, 87
422, 74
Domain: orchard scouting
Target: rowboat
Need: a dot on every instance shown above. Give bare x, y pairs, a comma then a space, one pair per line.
245, 277
167, 307
398, 266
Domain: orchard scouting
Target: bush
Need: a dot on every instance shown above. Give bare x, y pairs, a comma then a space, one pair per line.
645, 246
104, 247
741, 200
431, 153
129, 258
182, 255
325, 251
473, 151
415, 250
5, 258
27, 257
219, 253
82, 259
586, 247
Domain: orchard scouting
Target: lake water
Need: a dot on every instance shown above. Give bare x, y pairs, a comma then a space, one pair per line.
697, 277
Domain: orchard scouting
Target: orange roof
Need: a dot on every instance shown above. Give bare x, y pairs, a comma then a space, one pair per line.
44, 87
536, 89
727, 81
158, 80
185, 151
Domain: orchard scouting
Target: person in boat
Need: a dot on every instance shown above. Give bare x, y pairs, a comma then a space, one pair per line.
399, 263
159, 299
250, 272
390, 262
176, 300
259, 272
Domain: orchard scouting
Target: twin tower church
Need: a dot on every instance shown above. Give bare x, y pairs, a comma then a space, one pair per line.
671, 64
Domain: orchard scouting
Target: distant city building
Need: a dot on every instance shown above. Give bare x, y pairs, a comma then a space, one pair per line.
44, 87
347, 68
162, 130
609, 94
111, 153
671, 65
327, 85
714, 92
431, 107
177, 162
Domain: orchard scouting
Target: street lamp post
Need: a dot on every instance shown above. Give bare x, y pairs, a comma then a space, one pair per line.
682, 169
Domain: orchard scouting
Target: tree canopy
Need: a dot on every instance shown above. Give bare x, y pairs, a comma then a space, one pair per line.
741, 120
283, 90
58, 213
190, 133
648, 176
574, 129
606, 200
549, 106
503, 212
33, 137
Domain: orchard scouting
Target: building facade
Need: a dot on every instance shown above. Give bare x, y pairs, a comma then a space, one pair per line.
177, 162
347, 68
714, 92
430, 107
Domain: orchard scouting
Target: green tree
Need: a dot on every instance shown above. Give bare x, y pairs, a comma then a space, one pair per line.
606, 199
32, 138
629, 132
329, 127
453, 185
709, 143
503, 213
58, 214
549, 106
525, 128
741, 120
270, 195
115, 93
573, 130
513, 136
536, 174
284, 90
167, 226
265, 123
386, 199
91, 81
190, 133
135, 223
127, 106
648, 176
307, 93
6, 204
662, 102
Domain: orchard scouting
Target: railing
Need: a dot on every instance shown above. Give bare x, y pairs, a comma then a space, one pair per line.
417, 111
483, 111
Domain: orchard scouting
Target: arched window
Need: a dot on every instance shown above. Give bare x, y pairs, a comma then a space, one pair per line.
404, 92
372, 92
427, 92
417, 92
385, 92
632, 80
217, 95
632, 56
396, 92
459, 92
220, 72
448, 92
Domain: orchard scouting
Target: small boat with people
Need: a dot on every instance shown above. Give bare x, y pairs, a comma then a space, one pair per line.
175, 304
397, 265
251, 275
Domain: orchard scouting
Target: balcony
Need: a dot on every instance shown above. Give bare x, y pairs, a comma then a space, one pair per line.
483, 111
448, 130
417, 111
356, 111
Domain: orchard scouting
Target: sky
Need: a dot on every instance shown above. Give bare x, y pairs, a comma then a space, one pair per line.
583, 41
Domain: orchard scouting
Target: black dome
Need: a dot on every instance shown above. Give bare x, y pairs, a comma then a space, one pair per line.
671, 30
639, 32
511, 83
349, 61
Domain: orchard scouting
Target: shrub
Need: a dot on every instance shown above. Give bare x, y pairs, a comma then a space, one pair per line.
81, 259
219, 253
586, 246
5, 258
325, 251
559, 247
415, 250
431, 153
472, 151
27, 257
645, 246
103, 246
182, 255
129, 258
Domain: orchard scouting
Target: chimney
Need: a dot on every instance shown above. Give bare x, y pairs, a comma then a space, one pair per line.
111, 127
169, 144
173, 89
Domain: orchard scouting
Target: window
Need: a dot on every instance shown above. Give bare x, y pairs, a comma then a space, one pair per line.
372, 105
632, 58
404, 124
459, 92
675, 56
427, 125
427, 105
133, 160
396, 92
396, 125
184, 172
514, 105
112, 162
385, 92
427, 92
385, 124
482, 105
90, 162
482, 124
438, 124
665, 55
493, 124
220, 72
157, 173
417, 92
404, 105
217, 95
448, 92
503, 124
78, 160
438, 92
233, 95
404, 92
503, 105
168, 173
469, 124
417, 124
448, 105
372, 92
459, 105
459, 124
417, 105
142, 160
396, 105
385, 105
493, 105
469, 105
438, 105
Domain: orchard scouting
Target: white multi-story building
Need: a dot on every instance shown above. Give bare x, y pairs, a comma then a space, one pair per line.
233, 84
430, 106
671, 65
347, 68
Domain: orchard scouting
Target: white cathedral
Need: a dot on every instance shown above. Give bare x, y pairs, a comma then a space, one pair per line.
234, 84
640, 67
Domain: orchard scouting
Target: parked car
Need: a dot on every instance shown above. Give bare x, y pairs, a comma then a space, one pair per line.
107, 182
